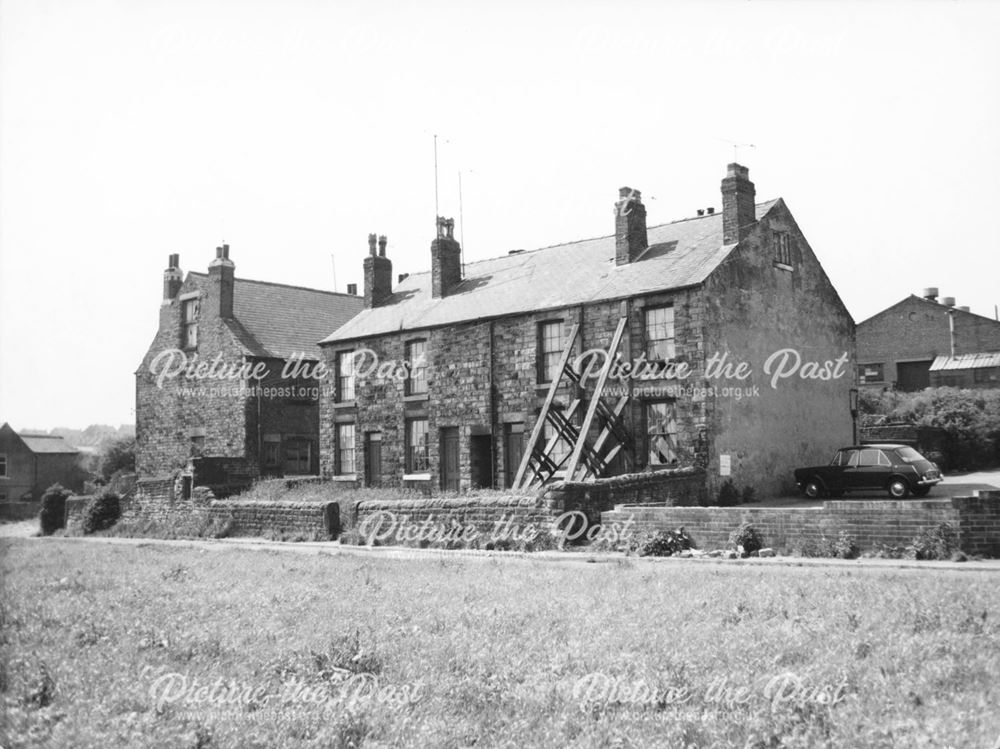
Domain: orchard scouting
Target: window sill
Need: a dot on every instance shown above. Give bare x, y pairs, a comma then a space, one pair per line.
416, 477
346, 404
345, 477
783, 266
416, 398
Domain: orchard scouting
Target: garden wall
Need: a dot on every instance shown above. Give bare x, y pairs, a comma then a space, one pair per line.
871, 523
19, 510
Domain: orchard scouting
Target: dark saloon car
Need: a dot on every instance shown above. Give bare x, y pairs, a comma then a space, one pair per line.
898, 469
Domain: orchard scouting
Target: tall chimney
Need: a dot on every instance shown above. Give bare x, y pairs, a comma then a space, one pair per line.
630, 226
172, 278
446, 259
738, 212
221, 276
378, 273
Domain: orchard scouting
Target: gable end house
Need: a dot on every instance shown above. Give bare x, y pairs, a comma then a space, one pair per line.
443, 377
241, 427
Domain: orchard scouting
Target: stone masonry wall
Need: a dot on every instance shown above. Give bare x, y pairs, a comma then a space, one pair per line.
870, 523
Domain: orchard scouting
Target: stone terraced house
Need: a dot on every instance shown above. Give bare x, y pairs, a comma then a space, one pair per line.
454, 379
241, 427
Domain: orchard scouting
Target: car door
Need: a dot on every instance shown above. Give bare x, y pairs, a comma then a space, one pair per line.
843, 477
872, 470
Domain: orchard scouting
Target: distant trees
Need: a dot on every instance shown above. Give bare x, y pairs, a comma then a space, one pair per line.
116, 455
970, 420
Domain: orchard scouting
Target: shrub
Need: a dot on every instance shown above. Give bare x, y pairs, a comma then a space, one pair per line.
748, 538
749, 495
52, 516
101, 512
118, 455
729, 495
665, 544
939, 542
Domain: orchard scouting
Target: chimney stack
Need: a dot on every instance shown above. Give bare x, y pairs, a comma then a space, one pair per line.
221, 276
739, 215
378, 273
172, 278
630, 226
446, 259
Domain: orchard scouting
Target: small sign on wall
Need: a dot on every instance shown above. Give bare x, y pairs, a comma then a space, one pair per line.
725, 465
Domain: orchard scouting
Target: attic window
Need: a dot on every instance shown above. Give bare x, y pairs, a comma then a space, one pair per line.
189, 323
782, 249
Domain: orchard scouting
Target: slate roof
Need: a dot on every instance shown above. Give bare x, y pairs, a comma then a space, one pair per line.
966, 361
937, 305
276, 320
682, 253
47, 443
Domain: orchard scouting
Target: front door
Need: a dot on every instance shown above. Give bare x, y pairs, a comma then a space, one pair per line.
373, 459
513, 451
450, 480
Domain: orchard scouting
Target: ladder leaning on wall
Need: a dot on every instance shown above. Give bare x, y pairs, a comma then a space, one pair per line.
588, 459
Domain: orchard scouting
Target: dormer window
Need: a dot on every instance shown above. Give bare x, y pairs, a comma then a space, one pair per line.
189, 323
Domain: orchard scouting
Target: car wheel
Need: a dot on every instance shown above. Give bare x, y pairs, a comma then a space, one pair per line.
899, 489
921, 492
814, 489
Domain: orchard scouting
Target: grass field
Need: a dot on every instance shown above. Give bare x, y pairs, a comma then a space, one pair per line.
154, 645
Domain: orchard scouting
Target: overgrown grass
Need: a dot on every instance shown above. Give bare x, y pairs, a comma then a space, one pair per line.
274, 490
492, 651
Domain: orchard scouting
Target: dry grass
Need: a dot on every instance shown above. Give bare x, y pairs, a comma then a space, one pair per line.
497, 647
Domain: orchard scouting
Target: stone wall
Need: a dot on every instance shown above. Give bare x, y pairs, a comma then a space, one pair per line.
870, 523
668, 487
308, 520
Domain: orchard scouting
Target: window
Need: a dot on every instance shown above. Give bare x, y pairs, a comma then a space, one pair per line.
189, 323
3, 466
782, 248
871, 373
984, 374
416, 365
272, 450
417, 457
872, 458
345, 376
298, 456
661, 434
560, 450
660, 334
550, 350
345, 449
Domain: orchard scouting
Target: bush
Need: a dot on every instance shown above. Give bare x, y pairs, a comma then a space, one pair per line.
665, 544
729, 495
52, 516
101, 512
117, 456
939, 542
749, 495
748, 538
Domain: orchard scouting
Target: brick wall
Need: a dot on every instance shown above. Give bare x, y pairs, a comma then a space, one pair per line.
871, 523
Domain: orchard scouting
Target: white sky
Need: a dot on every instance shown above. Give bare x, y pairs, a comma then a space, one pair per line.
133, 129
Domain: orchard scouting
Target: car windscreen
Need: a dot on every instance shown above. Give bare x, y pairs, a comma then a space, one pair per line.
909, 455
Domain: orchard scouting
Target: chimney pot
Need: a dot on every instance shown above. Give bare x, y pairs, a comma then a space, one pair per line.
965, 308
382, 241
710, 210
701, 211
378, 273
352, 289
172, 278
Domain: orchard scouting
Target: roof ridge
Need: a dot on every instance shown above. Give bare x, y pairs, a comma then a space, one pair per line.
512, 253
282, 285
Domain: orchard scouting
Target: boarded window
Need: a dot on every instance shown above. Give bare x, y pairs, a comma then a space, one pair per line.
550, 350
416, 361
417, 453
345, 449
661, 433
660, 334
189, 323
